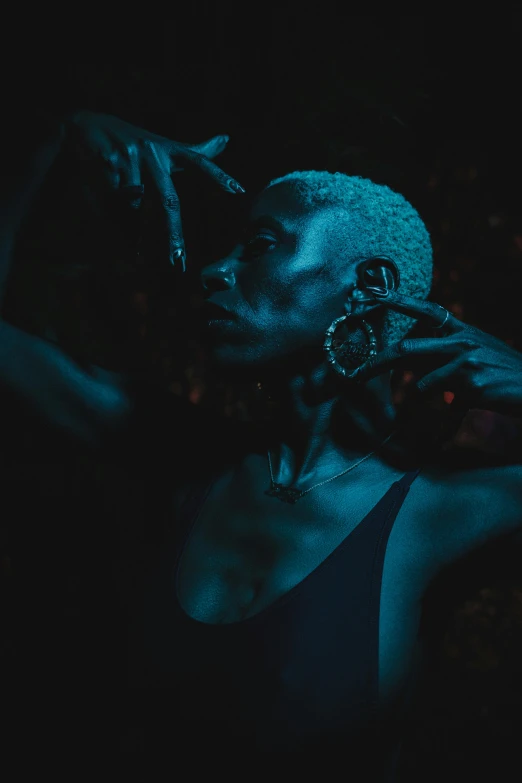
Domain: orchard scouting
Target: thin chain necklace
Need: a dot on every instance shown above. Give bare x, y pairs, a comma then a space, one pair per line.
292, 495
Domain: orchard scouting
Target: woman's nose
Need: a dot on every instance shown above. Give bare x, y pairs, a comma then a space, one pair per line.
217, 277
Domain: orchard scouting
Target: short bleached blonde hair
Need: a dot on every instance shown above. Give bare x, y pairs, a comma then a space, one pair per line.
381, 222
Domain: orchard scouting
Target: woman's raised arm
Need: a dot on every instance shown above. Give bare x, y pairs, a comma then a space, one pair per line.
124, 162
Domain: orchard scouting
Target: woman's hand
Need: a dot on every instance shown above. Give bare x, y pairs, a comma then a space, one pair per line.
137, 167
481, 370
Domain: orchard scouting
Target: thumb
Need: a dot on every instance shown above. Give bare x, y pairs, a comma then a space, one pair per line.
211, 148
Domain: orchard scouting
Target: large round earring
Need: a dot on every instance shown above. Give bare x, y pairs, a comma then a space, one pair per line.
357, 352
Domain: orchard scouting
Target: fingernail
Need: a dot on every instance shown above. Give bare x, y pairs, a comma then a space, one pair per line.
377, 290
225, 138
235, 187
178, 255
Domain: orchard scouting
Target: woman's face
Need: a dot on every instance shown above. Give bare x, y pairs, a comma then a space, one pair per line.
281, 285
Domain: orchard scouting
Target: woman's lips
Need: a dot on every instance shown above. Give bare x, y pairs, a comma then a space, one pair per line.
213, 316
214, 312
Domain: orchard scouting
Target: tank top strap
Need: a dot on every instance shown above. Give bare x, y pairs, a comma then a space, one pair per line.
381, 522
383, 515
406, 481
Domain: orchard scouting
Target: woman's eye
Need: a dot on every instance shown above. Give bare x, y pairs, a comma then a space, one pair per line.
258, 245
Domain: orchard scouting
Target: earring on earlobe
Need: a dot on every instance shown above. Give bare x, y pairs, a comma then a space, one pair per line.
350, 348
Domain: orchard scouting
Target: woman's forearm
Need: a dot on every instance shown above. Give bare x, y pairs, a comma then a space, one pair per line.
88, 405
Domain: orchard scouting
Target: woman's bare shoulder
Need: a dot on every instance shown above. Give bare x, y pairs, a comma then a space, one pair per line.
477, 496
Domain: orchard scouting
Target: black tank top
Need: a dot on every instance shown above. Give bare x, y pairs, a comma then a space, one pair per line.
296, 683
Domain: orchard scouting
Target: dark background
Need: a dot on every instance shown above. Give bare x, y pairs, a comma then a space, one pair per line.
429, 105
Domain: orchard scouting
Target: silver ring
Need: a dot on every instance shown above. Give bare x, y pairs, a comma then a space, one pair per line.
445, 319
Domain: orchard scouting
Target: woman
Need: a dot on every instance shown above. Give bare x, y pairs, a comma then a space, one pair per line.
274, 590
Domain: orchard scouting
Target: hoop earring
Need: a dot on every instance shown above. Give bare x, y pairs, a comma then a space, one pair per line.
365, 353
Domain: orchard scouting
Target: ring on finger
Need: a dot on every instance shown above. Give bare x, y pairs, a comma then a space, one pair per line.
170, 202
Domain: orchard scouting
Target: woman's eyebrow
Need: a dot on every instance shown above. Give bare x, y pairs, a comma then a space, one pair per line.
268, 221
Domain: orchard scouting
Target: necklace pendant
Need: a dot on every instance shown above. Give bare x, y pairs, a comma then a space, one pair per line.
284, 494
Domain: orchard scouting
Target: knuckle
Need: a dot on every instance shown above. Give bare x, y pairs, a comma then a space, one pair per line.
112, 159
404, 346
170, 202
131, 150
471, 361
469, 342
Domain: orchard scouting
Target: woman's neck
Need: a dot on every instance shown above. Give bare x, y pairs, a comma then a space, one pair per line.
320, 425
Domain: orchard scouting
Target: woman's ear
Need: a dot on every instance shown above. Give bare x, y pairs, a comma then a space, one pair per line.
379, 271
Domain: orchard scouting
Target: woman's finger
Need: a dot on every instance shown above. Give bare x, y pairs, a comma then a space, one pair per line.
211, 148
162, 229
130, 174
209, 168
445, 378
421, 309
410, 353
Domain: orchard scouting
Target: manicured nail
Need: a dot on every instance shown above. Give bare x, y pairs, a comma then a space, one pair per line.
178, 255
377, 290
235, 187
